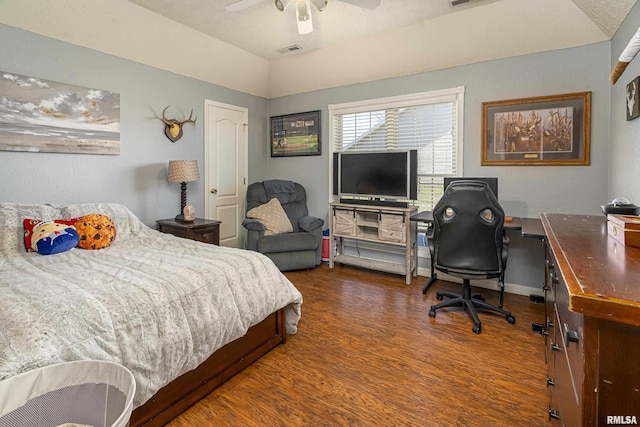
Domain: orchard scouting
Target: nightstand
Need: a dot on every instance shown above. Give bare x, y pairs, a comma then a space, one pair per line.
201, 230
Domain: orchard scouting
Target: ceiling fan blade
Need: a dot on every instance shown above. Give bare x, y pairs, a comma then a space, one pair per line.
241, 5
366, 4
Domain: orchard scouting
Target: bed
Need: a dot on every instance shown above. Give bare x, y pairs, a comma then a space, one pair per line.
182, 316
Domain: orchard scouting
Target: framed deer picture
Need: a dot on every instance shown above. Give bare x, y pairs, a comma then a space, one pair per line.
540, 131
633, 109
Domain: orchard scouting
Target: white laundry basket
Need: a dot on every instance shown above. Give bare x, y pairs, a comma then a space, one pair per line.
82, 393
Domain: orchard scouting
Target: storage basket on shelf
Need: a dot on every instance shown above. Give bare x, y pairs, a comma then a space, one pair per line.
87, 393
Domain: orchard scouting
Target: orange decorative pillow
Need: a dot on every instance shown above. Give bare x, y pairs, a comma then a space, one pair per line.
96, 231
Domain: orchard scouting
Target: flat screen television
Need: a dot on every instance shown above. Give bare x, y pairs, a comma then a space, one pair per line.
376, 175
493, 182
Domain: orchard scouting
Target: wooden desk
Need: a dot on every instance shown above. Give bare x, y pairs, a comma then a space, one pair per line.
592, 307
510, 223
532, 227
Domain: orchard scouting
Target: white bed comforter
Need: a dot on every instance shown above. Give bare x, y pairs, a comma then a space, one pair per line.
158, 304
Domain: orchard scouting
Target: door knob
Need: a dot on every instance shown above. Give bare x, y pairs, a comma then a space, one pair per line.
213, 190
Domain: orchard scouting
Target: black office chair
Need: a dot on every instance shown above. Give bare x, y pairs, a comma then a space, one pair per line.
468, 242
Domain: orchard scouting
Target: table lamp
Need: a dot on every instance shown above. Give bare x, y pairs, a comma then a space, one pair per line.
183, 171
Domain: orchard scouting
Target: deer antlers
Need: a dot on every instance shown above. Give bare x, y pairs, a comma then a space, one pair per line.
173, 127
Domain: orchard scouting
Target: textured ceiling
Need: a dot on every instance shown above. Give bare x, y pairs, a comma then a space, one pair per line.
262, 29
349, 44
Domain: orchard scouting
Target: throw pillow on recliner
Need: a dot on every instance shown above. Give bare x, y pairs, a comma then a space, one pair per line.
272, 216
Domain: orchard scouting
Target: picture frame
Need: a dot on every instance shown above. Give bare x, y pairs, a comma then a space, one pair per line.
539, 131
296, 135
71, 120
633, 99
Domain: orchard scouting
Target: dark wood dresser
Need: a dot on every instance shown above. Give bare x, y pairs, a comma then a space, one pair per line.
202, 230
592, 299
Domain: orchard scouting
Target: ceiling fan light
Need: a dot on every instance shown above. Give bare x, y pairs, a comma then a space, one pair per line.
320, 4
303, 11
303, 15
282, 4
305, 27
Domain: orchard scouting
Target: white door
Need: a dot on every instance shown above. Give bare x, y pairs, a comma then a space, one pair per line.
226, 165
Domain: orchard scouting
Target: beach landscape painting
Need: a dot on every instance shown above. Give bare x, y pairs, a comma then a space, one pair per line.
38, 115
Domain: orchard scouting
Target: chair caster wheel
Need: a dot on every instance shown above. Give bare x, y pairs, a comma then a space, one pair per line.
432, 313
511, 319
439, 297
477, 328
478, 297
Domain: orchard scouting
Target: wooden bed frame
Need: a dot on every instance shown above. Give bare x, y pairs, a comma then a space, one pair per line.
187, 389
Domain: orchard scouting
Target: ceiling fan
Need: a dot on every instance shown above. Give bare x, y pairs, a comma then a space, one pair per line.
303, 8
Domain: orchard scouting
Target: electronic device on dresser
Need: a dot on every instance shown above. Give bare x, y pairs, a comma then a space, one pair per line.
492, 182
376, 177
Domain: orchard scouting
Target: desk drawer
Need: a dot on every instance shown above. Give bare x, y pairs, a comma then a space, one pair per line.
566, 395
570, 327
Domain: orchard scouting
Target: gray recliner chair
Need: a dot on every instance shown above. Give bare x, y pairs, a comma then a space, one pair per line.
298, 250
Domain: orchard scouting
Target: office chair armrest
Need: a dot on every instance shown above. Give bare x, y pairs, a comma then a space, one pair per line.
309, 223
252, 224
505, 250
430, 245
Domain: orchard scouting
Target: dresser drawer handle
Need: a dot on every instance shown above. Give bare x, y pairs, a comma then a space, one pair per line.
549, 326
555, 347
570, 336
553, 414
550, 382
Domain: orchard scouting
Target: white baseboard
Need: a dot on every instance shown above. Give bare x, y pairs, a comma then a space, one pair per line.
491, 284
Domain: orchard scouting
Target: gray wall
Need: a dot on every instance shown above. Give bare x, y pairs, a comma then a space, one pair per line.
137, 177
525, 191
625, 135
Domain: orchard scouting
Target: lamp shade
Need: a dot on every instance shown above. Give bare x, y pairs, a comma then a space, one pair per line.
183, 171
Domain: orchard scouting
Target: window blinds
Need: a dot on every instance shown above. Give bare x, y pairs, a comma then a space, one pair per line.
428, 122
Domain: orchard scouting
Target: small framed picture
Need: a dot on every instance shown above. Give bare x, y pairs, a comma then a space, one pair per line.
296, 135
633, 109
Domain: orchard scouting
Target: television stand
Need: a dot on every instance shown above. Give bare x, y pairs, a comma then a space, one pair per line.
380, 224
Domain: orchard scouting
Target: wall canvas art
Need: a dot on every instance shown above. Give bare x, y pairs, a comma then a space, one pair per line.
38, 115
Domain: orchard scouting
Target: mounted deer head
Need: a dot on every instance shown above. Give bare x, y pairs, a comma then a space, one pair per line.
173, 127
631, 97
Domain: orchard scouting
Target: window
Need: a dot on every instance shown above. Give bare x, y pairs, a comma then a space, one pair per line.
430, 122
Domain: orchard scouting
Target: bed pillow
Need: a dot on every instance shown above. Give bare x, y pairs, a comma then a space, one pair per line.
49, 237
272, 216
96, 231
29, 224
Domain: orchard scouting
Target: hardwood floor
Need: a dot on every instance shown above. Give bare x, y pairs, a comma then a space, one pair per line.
367, 354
